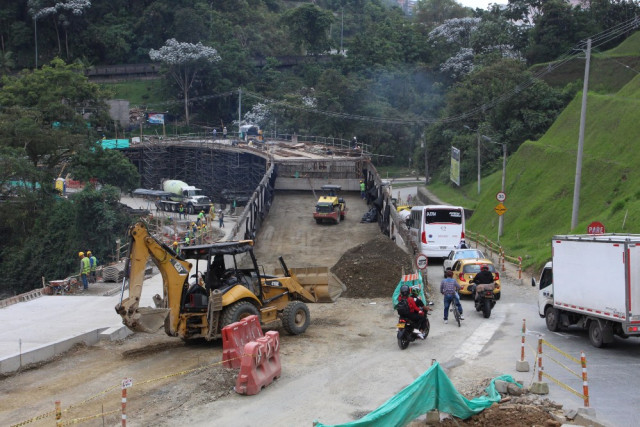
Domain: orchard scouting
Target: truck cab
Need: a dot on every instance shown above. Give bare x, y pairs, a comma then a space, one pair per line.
545, 291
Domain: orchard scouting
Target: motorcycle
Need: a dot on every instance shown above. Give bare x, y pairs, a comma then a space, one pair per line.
485, 301
405, 330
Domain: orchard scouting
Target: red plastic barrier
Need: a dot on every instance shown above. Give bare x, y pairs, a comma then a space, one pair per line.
235, 336
260, 364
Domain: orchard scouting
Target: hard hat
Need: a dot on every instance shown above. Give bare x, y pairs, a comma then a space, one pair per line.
175, 243
88, 252
80, 253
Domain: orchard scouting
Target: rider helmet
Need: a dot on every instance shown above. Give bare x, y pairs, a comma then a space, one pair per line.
415, 291
404, 290
484, 267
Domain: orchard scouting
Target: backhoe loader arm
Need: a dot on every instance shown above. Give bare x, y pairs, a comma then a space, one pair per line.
174, 273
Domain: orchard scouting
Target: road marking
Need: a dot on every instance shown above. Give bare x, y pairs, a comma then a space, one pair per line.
473, 345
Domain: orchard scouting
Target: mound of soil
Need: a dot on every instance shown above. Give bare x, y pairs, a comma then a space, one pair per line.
372, 269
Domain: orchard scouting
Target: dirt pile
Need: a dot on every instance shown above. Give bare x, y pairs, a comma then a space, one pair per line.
372, 269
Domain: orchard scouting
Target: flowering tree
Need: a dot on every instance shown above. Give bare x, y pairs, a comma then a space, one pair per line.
59, 10
183, 61
453, 40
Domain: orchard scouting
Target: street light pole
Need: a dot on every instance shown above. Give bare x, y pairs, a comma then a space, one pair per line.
504, 176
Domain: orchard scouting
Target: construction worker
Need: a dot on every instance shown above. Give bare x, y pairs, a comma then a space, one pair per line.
85, 269
181, 212
93, 262
212, 212
187, 241
176, 248
362, 189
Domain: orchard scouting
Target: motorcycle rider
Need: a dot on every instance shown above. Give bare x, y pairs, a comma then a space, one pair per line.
415, 315
484, 281
449, 288
415, 294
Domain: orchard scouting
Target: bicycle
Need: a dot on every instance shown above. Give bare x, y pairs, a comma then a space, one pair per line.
453, 308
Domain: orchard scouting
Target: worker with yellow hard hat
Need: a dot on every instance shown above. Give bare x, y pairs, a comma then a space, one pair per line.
175, 247
85, 269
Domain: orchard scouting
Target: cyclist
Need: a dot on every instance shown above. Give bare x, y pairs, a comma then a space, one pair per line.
449, 288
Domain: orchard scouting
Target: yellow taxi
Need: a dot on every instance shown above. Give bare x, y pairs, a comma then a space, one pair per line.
464, 270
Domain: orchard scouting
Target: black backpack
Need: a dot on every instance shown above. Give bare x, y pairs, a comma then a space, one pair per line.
403, 307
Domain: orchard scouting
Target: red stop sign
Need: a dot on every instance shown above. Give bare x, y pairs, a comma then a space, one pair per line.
596, 227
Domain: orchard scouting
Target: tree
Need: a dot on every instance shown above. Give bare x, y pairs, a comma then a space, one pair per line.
183, 61
309, 27
107, 166
43, 112
60, 11
435, 12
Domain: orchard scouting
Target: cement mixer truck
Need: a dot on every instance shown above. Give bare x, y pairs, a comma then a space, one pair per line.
175, 193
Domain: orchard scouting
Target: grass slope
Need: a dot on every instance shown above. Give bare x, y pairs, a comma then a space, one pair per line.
610, 70
139, 92
540, 178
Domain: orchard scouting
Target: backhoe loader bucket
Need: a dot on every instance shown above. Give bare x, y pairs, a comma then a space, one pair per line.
318, 281
147, 319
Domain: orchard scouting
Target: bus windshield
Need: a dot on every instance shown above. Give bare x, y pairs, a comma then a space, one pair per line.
439, 216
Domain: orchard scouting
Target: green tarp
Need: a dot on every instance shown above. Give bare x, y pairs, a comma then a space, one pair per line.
431, 390
416, 282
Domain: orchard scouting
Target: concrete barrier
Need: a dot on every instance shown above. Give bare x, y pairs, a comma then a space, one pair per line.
18, 361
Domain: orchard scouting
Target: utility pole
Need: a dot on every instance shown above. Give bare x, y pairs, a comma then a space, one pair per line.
583, 116
504, 178
239, 109
426, 162
35, 31
478, 133
341, 30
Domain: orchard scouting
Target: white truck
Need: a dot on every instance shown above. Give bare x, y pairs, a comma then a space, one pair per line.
593, 282
175, 193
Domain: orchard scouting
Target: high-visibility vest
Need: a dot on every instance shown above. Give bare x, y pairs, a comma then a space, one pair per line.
86, 265
94, 263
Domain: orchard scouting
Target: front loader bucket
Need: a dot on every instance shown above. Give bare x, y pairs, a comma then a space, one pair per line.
147, 319
318, 281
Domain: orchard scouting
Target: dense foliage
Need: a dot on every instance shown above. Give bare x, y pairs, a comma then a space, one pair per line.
409, 86
47, 128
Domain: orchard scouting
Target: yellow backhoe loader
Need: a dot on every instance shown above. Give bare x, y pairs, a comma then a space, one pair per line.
229, 287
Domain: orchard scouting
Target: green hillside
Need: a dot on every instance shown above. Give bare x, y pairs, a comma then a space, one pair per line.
610, 70
540, 178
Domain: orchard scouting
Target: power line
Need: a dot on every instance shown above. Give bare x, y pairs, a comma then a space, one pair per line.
598, 39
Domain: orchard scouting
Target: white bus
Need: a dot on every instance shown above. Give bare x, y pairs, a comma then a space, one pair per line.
436, 229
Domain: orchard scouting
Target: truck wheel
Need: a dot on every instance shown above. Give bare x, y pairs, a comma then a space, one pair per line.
296, 318
238, 311
595, 334
552, 317
190, 210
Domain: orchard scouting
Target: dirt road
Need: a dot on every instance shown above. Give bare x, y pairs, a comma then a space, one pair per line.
344, 366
